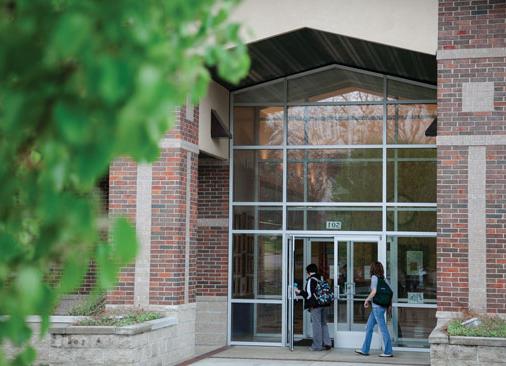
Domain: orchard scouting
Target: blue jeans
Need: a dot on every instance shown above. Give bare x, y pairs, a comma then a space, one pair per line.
377, 315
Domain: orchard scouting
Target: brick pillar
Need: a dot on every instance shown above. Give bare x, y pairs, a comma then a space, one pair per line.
471, 156
174, 213
211, 253
161, 198
122, 202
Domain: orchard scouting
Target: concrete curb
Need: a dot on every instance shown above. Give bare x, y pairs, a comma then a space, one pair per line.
127, 330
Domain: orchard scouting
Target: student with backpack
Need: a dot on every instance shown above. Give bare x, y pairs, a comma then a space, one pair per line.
381, 299
317, 298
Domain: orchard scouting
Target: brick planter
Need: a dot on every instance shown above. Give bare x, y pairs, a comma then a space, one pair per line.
154, 342
456, 350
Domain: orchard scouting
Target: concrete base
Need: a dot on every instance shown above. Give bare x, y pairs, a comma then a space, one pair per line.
211, 324
473, 351
164, 342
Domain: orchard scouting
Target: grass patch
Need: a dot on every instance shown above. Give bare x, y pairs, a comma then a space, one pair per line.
93, 306
489, 327
120, 320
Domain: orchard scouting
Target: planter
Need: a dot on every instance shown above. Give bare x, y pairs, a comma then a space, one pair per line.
458, 350
154, 342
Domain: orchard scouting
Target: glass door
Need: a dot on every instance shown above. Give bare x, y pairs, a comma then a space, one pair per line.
320, 251
290, 293
353, 261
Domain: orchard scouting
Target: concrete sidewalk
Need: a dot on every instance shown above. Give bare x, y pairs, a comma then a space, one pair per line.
301, 356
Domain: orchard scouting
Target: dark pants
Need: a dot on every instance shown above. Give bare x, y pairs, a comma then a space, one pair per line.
320, 329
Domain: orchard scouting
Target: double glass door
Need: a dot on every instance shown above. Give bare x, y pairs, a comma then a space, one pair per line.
344, 262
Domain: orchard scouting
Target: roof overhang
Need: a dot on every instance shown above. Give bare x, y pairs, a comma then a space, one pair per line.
306, 49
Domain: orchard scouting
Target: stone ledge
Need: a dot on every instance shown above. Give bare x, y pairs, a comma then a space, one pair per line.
478, 341
438, 335
127, 330
211, 299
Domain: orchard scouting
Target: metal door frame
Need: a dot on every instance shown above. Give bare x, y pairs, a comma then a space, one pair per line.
290, 293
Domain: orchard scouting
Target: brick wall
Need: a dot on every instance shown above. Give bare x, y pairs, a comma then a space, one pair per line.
471, 24
496, 229
452, 228
212, 250
122, 202
471, 102
451, 75
168, 225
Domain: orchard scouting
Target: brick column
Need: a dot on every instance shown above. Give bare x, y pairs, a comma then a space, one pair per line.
162, 199
471, 156
174, 213
211, 253
122, 202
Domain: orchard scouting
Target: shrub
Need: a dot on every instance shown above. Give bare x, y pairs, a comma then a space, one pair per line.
129, 318
489, 327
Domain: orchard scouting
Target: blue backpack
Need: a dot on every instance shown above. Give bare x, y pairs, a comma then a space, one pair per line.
324, 294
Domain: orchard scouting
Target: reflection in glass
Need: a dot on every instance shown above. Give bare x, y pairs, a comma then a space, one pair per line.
256, 266
407, 123
267, 93
413, 269
398, 90
257, 218
335, 85
258, 175
335, 125
258, 125
256, 322
412, 219
411, 175
349, 218
337, 175
414, 326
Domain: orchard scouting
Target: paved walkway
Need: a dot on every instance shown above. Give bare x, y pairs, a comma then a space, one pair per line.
301, 356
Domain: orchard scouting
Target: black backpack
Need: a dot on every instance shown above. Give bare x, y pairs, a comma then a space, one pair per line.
384, 293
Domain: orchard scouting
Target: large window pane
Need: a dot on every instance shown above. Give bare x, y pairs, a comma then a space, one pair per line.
413, 269
333, 125
268, 93
411, 175
334, 175
258, 175
258, 125
414, 326
256, 266
398, 90
412, 219
257, 218
256, 322
335, 85
334, 218
407, 123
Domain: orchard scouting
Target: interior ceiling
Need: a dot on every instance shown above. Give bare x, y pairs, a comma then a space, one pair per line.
306, 49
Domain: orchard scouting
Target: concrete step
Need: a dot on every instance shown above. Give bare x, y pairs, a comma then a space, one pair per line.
256, 356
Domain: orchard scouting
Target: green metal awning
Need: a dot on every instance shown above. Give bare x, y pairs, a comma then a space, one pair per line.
306, 49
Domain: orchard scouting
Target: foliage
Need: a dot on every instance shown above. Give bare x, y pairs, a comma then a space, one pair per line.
81, 83
93, 305
133, 317
489, 327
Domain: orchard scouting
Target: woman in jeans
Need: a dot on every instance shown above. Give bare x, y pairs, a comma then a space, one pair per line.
377, 315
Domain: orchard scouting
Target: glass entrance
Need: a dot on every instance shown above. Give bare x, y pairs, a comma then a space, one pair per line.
354, 258
344, 263
338, 160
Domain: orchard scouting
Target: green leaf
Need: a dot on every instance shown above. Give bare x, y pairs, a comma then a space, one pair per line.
124, 240
107, 269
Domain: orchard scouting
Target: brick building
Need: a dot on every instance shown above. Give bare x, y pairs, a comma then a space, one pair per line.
357, 136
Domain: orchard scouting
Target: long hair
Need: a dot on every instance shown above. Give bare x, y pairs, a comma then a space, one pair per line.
377, 269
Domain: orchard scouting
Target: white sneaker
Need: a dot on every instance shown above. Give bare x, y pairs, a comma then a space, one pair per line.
385, 355
359, 351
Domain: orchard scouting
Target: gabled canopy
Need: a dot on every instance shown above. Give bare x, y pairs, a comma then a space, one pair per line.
307, 49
